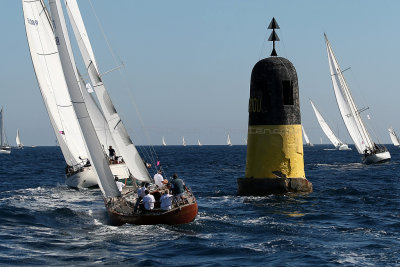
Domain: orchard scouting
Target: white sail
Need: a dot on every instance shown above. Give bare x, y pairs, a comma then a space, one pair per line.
163, 141
228, 141
18, 140
123, 141
3, 137
52, 84
198, 142
183, 141
325, 127
96, 152
393, 137
308, 143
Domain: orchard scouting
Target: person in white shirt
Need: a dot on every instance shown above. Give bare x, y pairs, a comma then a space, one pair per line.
158, 178
148, 201
166, 201
119, 184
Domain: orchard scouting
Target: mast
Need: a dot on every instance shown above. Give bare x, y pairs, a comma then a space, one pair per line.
124, 143
96, 153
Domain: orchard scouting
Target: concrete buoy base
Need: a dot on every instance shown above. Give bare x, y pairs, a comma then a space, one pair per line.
268, 186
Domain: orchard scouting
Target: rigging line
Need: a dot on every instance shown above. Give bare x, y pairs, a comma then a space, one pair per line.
119, 70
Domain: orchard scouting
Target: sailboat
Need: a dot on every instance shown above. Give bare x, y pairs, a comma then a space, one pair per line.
4, 147
228, 141
50, 57
163, 141
18, 140
119, 205
328, 132
393, 137
308, 143
370, 151
183, 141
198, 142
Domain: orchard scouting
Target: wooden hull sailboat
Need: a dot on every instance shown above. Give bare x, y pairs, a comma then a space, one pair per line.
64, 74
121, 211
351, 115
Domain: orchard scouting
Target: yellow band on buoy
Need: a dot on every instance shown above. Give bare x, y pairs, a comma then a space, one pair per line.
275, 148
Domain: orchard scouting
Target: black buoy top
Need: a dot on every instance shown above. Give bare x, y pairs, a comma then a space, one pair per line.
274, 93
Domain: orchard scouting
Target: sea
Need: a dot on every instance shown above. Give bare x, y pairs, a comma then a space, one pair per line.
352, 218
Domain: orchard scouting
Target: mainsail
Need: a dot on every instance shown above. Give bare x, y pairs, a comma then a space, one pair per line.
228, 141
96, 153
3, 138
163, 141
124, 143
18, 140
325, 127
393, 137
52, 84
183, 141
308, 143
348, 109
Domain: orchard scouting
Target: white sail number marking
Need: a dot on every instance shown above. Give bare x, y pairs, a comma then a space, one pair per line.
33, 22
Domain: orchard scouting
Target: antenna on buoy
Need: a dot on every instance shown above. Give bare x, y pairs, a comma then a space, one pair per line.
273, 37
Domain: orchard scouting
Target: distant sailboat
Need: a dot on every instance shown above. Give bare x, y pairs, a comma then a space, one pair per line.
328, 132
4, 147
228, 141
163, 141
18, 140
198, 142
393, 137
183, 141
372, 153
320, 140
308, 143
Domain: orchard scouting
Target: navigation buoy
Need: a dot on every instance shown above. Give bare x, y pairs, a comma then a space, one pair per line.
275, 162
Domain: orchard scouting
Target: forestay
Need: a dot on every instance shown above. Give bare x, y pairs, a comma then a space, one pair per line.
325, 127
124, 143
52, 84
348, 109
96, 153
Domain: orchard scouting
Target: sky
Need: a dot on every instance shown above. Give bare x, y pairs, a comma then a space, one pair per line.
187, 65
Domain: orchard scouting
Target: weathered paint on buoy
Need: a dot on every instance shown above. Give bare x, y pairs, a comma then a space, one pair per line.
275, 162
